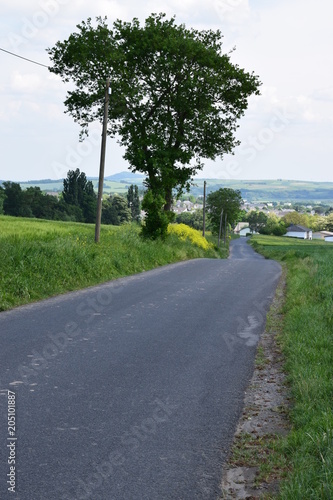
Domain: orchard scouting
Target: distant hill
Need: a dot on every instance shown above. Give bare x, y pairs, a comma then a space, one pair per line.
125, 176
272, 190
252, 190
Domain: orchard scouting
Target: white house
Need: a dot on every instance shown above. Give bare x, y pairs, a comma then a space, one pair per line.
329, 237
323, 235
302, 232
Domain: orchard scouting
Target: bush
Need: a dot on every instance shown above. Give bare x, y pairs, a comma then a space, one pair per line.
157, 219
185, 232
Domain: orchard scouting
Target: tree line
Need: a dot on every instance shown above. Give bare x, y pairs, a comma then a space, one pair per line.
77, 202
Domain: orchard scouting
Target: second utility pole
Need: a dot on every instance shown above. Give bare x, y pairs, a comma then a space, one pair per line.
204, 211
102, 163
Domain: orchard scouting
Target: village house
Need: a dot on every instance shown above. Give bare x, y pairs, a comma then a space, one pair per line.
323, 235
295, 231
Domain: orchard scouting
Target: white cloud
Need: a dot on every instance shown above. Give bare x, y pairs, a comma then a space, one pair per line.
287, 43
27, 83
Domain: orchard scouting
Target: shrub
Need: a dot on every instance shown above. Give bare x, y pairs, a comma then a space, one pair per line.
185, 232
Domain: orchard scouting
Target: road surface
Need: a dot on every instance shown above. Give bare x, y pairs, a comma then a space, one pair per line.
132, 390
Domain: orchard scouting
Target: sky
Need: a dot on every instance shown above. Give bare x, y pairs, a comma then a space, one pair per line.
286, 132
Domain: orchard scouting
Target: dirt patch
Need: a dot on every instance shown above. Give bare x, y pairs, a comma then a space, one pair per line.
264, 418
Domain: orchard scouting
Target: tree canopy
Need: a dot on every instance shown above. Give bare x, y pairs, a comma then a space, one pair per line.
176, 97
133, 202
256, 220
226, 199
79, 193
116, 211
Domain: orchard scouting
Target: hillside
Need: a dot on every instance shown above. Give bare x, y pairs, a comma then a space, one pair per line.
273, 190
252, 190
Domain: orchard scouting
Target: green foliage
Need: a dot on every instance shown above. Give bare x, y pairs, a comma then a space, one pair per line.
176, 98
307, 346
296, 219
13, 202
157, 219
31, 202
40, 258
115, 211
329, 222
78, 202
257, 220
2, 198
133, 202
229, 200
192, 219
78, 192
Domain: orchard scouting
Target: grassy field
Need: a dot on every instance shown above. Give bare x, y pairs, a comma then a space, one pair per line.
41, 258
307, 343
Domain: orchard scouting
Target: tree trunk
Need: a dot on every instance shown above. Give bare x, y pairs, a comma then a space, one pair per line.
168, 200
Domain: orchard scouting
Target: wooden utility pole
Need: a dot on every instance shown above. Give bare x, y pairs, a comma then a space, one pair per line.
102, 163
225, 229
204, 211
220, 230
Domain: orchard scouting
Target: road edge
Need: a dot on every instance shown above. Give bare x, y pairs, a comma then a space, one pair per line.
255, 467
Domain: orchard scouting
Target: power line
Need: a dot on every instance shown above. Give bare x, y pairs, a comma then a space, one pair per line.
25, 58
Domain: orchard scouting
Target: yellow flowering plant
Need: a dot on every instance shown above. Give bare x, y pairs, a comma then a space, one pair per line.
186, 232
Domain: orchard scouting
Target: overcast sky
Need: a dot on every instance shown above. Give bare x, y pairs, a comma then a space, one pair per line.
286, 132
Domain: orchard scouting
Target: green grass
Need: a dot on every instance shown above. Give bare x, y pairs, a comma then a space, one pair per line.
39, 258
307, 344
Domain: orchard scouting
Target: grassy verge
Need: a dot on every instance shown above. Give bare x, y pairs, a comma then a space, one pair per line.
307, 344
40, 258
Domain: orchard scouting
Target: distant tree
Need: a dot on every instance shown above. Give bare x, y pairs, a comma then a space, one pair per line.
241, 216
274, 225
115, 211
329, 222
39, 205
89, 203
109, 213
193, 219
13, 203
296, 218
320, 209
2, 198
133, 202
257, 220
229, 200
79, 192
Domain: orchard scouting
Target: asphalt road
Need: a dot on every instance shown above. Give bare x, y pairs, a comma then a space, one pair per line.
132, 390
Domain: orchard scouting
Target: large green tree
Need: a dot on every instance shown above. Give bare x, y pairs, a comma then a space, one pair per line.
176, 97
226, 199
